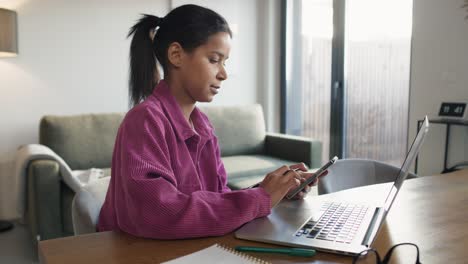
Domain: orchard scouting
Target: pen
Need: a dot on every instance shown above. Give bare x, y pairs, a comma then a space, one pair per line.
301, 252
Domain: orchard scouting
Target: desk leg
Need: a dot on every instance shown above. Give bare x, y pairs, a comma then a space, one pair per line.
447, 133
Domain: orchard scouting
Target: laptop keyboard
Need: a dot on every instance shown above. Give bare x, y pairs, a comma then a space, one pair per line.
339, 223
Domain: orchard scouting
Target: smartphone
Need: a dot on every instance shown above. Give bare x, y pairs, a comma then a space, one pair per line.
312, 178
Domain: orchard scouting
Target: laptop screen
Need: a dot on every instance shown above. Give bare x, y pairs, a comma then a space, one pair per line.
410, 157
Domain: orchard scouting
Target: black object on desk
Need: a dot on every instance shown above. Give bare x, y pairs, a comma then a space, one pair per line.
448, 123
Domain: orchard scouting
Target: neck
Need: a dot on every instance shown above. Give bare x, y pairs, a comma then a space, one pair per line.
184, 100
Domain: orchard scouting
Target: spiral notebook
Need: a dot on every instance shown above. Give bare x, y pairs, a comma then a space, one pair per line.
217, 254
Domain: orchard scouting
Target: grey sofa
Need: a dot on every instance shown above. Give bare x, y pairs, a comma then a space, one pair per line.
86, 141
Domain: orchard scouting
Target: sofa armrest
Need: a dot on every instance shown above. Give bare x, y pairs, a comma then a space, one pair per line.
44, 214
294, 148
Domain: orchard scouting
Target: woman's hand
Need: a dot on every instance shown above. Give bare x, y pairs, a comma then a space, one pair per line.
304, 175
279, 182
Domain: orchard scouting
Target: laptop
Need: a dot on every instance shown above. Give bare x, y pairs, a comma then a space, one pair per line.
330, 224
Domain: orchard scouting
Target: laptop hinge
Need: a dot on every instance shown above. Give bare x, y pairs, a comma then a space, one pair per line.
373, 226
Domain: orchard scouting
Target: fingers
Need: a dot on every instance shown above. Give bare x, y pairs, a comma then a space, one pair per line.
285, 171
279, 182
281, 170
290, 181
302, 194
306, 176
314, 182
301, 166
293, 177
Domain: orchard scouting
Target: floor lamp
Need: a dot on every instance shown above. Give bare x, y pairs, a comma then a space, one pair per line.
8, 48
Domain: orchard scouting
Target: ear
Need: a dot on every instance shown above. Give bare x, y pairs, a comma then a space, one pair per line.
175, 54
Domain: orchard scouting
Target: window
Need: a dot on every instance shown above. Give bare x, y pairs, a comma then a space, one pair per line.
346, 76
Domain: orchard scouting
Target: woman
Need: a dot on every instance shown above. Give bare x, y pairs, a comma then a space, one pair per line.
168, 180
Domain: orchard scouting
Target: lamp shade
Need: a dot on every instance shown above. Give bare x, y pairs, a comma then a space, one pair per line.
8, 33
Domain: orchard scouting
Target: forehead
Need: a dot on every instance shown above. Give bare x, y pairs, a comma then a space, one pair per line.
219, 42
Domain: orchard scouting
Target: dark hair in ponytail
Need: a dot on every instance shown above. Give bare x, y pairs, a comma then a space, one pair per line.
189, 25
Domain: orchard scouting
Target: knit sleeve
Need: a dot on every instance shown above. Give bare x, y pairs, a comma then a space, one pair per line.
149, 203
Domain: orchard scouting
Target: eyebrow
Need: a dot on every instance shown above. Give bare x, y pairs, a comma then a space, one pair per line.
220, 54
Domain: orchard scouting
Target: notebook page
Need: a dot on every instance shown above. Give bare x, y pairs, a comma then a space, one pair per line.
216, 254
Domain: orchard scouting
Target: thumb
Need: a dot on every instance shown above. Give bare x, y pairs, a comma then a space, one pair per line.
293, 183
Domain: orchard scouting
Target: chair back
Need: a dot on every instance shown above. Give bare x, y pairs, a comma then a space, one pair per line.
351, 173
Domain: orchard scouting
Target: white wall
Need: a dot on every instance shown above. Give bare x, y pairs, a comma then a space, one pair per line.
74, 59
243, 75
439, 71
268, 92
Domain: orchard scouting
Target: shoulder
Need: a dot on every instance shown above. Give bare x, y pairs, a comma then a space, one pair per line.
147, 115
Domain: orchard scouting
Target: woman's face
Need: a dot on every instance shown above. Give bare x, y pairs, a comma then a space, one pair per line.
203, 70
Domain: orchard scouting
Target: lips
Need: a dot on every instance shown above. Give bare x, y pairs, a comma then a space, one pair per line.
214, 89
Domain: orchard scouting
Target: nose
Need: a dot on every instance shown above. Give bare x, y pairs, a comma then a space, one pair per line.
222, 74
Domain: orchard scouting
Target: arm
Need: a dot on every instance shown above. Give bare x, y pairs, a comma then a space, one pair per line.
159, 210
294, 148
221, 170
148, 202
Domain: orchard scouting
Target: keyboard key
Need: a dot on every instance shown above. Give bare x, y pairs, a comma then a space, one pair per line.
313, 233
339, 222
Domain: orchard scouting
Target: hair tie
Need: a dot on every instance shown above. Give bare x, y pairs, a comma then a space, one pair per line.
157, 24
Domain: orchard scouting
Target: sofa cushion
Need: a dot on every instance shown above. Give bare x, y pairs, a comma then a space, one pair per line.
240, 129
246, 170
83, 141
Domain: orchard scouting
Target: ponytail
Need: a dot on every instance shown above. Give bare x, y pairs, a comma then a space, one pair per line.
143, 72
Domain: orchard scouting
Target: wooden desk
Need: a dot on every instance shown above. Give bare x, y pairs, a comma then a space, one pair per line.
429, 211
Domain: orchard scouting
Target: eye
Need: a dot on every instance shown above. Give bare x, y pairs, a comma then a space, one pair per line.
214, 61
